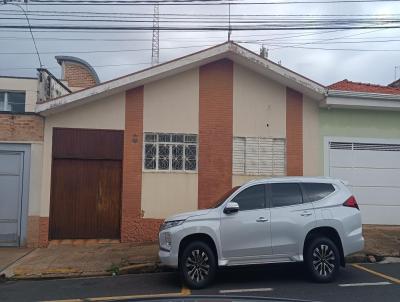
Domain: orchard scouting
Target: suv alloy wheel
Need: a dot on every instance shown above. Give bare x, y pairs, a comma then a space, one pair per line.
197, 265
322, 259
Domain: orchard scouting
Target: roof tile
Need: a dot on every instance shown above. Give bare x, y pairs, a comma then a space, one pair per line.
347, 85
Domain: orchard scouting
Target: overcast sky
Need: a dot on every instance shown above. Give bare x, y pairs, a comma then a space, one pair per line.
324, 66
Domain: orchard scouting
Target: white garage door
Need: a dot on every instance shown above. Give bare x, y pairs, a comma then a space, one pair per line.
373, 173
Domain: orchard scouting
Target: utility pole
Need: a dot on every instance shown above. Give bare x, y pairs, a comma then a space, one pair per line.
229, 24
155, 45
395, 71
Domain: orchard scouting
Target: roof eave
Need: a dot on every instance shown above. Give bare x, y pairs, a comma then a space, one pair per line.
361, 100
226, 50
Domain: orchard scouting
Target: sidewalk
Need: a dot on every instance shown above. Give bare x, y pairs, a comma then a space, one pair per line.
85, 259
67, 259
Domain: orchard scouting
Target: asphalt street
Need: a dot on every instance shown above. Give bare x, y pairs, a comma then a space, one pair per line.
366, 282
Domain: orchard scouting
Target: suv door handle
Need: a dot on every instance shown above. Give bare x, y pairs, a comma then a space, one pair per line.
306, 213
262, 219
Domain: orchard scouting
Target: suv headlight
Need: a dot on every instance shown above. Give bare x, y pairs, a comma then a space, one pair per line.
170, 224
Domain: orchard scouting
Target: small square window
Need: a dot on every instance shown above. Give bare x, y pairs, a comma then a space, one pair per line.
177, 138
164, 138
163, 157
150, 137
177, 157
190, 138
150, 156
190, 157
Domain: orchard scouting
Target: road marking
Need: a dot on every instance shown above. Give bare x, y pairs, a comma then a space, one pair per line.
185, 291
364, 284
245, 290
390, 278
119, 298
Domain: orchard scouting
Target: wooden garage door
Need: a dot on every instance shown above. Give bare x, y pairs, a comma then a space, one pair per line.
86, 184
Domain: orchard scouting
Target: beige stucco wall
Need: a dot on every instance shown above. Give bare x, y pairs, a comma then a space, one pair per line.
238, 180
165, 194
171, 105
29, 86
257, 101
107, 113
311, 132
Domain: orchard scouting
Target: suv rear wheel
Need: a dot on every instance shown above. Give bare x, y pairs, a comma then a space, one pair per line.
197, 265
322, 259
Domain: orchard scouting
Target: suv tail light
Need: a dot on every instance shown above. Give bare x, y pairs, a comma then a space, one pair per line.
351, 202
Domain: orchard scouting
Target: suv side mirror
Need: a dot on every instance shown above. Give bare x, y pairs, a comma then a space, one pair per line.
231, 207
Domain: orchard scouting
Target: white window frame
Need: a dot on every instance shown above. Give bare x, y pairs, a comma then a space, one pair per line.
6, 92
170, 144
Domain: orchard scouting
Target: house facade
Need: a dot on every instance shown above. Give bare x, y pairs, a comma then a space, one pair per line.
360, 143
119, 157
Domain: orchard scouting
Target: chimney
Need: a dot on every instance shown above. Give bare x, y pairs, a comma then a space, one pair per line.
77, 73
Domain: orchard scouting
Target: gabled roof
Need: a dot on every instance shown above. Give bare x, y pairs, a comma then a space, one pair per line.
347, 85
228, 50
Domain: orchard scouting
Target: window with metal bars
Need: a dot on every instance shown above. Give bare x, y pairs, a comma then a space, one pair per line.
170, 152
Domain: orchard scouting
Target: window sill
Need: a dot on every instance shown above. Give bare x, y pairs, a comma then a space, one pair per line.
170, 171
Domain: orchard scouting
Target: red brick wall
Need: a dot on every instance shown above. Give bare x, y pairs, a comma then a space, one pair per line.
21, 127
133, 227
43, 231
215, 131
37, 231
78, 76
132, 161
294, 133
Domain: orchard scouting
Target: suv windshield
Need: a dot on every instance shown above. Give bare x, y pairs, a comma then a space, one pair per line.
225, 196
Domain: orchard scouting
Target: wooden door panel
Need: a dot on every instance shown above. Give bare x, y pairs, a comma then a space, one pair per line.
86, 199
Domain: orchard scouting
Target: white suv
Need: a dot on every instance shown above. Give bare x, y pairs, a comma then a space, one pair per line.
315, 220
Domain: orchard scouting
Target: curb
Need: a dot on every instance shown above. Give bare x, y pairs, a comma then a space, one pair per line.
157, 267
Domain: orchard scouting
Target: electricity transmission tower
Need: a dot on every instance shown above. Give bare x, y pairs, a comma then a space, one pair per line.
155, 45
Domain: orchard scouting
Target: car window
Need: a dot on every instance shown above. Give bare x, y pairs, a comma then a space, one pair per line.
317, 191
251, 198
285, 194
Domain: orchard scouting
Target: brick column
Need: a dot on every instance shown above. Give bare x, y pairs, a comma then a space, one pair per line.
294, 133
134, 228
132, 163
215, 131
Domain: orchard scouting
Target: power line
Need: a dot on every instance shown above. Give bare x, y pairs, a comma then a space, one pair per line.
194, 2
102, 51
30, 30
198, 28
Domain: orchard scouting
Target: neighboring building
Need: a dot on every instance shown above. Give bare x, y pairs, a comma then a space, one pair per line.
360, 142
21, 143
119, 157
21, 147
77, 73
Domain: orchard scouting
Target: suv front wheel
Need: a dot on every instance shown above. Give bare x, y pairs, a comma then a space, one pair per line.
197, 265
322, 259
